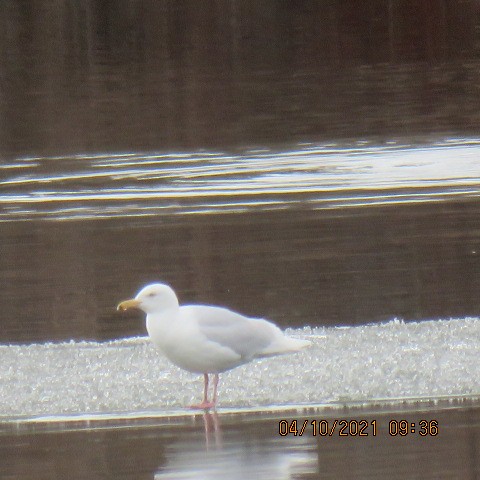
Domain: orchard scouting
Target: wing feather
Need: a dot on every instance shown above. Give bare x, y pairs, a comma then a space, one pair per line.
247, 337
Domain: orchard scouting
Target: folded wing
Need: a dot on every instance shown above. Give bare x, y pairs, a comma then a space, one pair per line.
247, 337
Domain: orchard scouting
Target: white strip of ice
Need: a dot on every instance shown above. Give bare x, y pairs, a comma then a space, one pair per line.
392, 360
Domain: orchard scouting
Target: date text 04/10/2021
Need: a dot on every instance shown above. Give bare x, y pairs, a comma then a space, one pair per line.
357, 428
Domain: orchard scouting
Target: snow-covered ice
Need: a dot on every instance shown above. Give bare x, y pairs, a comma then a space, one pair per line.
392, 360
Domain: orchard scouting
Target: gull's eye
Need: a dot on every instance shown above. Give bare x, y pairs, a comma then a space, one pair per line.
151, 294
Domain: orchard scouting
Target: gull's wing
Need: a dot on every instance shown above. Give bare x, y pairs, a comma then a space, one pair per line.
247, 337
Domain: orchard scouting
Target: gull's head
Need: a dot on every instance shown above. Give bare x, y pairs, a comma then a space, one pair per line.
153, 298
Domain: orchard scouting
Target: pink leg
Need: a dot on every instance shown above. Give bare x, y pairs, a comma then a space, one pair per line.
215, 388
205, 405
205, 388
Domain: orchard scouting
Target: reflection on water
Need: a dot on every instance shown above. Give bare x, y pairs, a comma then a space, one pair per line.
315, 177
212, 446
240, 452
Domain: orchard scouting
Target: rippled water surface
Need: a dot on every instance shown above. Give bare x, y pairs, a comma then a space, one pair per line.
313, 236
311, 177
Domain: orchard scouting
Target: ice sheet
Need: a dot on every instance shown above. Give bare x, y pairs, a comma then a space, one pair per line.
391, 360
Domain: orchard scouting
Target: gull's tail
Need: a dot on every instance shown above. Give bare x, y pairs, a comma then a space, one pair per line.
283, 345
298, 344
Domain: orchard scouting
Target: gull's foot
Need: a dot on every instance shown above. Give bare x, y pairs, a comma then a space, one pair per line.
203, 406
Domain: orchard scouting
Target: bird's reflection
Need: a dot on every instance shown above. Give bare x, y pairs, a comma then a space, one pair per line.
237, 450
213, 430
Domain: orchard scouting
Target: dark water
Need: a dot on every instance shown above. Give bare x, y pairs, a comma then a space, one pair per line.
93, 76
63, 280
283, 158
250, 445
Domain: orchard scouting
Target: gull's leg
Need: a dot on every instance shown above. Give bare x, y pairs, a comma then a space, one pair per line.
205, 388
205, 405
215, 388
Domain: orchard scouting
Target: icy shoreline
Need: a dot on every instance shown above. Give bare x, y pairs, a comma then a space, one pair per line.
394, 360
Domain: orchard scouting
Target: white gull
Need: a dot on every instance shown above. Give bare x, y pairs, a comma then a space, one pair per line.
207, 339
